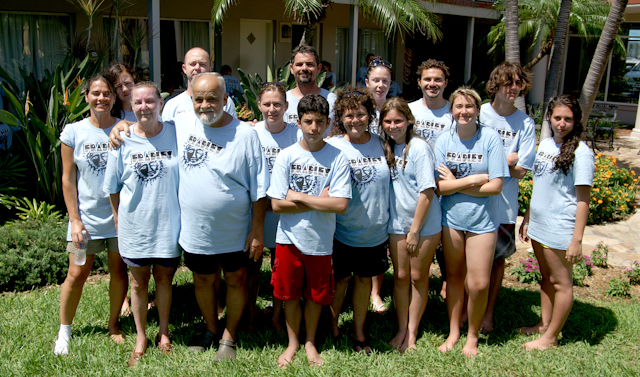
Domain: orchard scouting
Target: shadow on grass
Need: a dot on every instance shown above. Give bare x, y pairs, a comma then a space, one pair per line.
515, 308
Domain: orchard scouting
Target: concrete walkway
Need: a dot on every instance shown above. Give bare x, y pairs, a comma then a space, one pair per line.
623, 237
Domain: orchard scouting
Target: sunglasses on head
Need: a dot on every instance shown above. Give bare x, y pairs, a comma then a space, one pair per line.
378, 63
276, 83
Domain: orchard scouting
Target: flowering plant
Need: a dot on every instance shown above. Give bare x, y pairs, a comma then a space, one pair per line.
599, 254
633, 273
612, 195
619, 288
582, 270
528, 270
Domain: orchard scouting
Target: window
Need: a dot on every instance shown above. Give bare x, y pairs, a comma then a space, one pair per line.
34, 43
369, 41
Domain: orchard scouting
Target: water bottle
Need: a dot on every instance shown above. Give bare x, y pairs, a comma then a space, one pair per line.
80, 257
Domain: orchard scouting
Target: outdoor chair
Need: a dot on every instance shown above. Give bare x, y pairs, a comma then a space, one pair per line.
602, 120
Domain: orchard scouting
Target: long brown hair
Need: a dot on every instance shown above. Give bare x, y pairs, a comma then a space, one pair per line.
570, 143
400, 105
112, 74
351, 98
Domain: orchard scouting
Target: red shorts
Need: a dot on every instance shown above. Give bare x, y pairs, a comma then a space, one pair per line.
293, 271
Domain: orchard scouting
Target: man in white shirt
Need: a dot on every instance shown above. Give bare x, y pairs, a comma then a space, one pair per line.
196, 61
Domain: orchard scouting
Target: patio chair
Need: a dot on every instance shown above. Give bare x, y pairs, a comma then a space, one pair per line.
603, 120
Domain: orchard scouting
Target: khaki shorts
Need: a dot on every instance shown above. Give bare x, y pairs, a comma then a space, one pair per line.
97, 246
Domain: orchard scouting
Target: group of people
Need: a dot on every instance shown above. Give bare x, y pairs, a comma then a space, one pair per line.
327, 182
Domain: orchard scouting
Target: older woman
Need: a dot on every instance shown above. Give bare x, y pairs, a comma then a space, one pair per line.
84, 149
359, 245
142, 178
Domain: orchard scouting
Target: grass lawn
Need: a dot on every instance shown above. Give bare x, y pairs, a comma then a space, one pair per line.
601, 338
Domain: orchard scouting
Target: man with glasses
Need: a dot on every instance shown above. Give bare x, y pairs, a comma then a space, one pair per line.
196, 61
432, 111
507, 82
305, 67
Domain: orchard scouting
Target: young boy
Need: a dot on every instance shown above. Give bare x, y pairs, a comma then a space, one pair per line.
310, 183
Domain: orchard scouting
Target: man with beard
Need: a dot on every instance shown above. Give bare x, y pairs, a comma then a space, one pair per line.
223, 182
196, 61
432, 111
305, 67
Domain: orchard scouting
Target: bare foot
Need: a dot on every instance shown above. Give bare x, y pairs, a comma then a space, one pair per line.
487, 325
449, 343
541, 344
471, 348
312, 354
125, 310
539, 328
220, 311
443, 291
287, 356
151, 305
117, 337
397, 340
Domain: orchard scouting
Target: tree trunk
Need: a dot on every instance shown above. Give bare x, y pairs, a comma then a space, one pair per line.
512, 42
553, 74
601, 58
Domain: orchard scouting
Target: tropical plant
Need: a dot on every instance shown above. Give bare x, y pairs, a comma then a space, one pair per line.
12, 174
34, 210
42, 111
601, 57
392, 16
89, 8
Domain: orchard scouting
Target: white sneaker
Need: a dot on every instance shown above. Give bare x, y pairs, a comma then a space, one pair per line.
61, 347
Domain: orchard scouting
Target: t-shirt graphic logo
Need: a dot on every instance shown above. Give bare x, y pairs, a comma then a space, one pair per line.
196, 151
363, 170
460, 170
305, 184
428, 131
149, 166
97, 155
271, 153
543, 163
394, 171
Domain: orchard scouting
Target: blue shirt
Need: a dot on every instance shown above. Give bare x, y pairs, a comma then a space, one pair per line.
309, 172
394, 89
182, 104
145, 173
406, 185
272, 144
364, 224
482, 154
518, 134
222, 171
90, 154
430, 124
232, 85
554, 203
361, 75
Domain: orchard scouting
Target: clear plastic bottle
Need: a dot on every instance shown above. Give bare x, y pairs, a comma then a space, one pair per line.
80, 257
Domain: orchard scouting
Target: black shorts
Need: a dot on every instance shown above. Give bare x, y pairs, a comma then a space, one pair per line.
506, 241
143, 262
207, 264
365, 262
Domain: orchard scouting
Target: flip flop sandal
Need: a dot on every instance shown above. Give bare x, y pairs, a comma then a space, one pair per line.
379, 309
226, 351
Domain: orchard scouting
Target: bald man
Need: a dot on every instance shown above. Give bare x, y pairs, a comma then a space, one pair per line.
196, 61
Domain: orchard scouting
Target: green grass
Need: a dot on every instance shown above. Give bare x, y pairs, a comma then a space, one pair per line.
601, 338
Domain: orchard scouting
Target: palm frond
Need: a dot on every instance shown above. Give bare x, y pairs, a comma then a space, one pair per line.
402, 15
304, 10
219, 9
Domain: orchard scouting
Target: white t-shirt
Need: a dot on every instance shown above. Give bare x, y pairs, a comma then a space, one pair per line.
90, 154
518, 134
364, 224
272, 144
481, 154
406, 185
430, 124
182, 103
309, 172
145, 173
222, 172
553, 201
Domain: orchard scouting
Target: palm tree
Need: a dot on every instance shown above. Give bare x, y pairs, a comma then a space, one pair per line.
553, 74
601, 57
391, 15
512, 43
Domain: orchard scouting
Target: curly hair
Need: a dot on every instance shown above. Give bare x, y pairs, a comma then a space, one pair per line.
112, 74
432, 63
564, 160
400, 105
351, 98
504, 74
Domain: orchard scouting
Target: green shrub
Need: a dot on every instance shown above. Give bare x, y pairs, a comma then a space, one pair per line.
612, 195
619, 288
600, 254
582, 270
633, 273
33, 254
